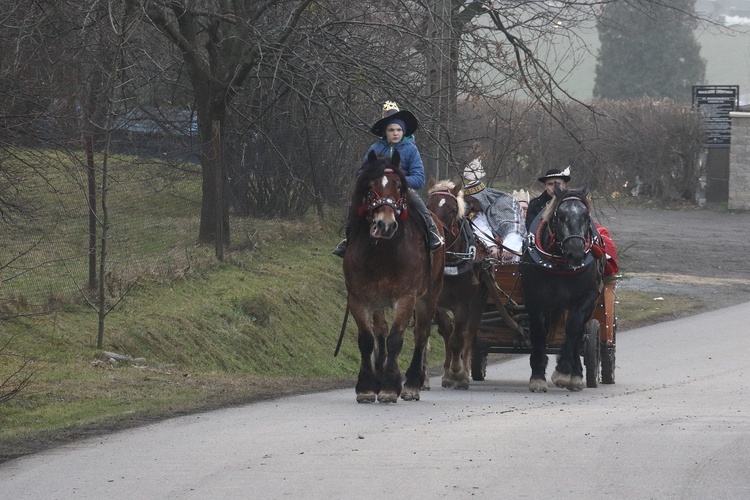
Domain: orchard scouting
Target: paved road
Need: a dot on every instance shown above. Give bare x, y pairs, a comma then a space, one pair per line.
675, 425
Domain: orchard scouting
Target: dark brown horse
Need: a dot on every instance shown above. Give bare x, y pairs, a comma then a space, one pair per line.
464, 294
559, 271
387, 265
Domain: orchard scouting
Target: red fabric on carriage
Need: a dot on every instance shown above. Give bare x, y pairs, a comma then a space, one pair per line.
611, 267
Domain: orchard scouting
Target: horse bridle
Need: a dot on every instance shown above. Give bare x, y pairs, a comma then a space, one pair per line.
586, 239
374, 201
455, 229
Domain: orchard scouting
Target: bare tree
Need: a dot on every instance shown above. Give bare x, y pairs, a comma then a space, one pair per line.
112, 26
15, 372
221, 43
293, 86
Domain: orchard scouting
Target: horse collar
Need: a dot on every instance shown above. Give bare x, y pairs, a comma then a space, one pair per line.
541, 247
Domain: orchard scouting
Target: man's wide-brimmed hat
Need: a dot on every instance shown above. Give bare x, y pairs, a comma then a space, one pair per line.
556, 173
409, 121
473, 175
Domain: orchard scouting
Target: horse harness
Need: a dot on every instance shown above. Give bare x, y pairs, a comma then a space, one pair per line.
374, 201
545, 250
458, 262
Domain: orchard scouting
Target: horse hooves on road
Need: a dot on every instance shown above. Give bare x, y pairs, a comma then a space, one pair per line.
449, 383
567, 381
537, 385
410, 394
387, 397
367, 397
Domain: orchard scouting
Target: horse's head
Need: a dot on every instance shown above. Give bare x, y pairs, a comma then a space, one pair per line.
382, 194
446, 201
568, 219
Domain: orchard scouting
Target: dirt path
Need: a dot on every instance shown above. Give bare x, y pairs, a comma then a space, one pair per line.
700, 253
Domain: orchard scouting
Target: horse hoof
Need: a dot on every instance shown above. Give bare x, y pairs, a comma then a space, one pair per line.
448, 381
387, 397
410, 394
538, 385
576, 383
366, 397
426, 385
561, 380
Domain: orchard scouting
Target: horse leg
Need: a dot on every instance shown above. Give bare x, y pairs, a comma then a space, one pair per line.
478, 305
415, 374
538, 359
445, 328
382, 355
569, 371
459, 369
444, 324
426, 381
390, 344
367, 381
390, 377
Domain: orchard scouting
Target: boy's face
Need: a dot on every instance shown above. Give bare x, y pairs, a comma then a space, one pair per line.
394, 133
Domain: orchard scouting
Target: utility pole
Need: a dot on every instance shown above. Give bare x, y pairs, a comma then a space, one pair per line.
441, 81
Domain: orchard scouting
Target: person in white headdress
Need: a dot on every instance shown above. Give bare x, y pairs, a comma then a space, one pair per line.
523, 197
549, 179
496, 216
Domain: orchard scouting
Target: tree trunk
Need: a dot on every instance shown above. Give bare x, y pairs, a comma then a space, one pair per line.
214, 183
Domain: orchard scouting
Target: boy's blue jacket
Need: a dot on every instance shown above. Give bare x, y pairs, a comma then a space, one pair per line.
411, 161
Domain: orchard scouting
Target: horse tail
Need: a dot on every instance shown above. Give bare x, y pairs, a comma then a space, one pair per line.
556, 322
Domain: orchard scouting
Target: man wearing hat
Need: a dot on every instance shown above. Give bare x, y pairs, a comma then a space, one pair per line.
395, 130
549, 179
495, 216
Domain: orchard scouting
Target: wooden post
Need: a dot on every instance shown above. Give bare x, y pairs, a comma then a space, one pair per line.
439, 80
92, 208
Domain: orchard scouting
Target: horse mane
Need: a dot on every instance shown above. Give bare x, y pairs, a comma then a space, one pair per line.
581, 194
449, 185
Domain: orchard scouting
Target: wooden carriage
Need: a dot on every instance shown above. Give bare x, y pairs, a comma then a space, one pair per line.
505, 326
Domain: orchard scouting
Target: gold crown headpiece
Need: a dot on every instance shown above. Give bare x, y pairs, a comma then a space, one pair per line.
390, 106
522, 195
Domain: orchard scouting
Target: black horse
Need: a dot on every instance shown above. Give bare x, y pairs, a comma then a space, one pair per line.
559, 271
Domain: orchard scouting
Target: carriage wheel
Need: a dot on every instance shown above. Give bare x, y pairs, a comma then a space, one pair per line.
478, 364
608, 363
591, 353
